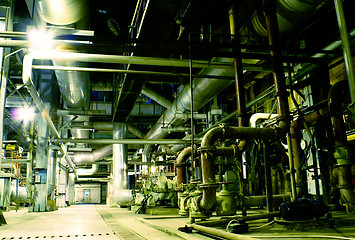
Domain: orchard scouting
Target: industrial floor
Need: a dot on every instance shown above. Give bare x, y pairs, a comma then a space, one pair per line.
100, 222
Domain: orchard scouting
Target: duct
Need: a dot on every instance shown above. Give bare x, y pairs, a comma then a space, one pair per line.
85, 157
27, 81
61, 12
289, 13
204, 89
156, 96
18, 195
108, 126
88, 172
51, 171
121, 193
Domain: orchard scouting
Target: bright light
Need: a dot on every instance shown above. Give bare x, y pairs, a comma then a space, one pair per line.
153, 169
41, 39
26, 114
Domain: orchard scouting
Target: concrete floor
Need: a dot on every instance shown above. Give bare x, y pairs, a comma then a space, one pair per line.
84, 222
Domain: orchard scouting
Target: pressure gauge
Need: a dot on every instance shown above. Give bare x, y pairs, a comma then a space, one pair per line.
303, 144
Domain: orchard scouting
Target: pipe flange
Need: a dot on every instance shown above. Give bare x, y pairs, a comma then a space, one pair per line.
208, 185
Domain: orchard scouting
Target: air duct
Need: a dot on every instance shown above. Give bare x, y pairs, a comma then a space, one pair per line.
85, 157
61, 12
204, 89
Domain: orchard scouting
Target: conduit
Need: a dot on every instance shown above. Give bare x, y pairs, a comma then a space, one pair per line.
220, 233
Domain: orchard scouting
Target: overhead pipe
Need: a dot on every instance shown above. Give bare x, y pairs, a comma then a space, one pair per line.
120, 141
204, 89
63, 12
27, 81
158, 97
108, 126
90, 157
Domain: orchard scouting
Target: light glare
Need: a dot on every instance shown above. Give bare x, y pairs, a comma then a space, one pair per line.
40, 39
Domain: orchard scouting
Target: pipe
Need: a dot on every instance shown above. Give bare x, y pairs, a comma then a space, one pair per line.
238, 69
73, 85
208, 177
90, 157
181, 167
203, 91
156, 96
152, 61
121, 193
258, 116
60, 12
295, 127
341, 153
108, 126
344, 35
220, 233
120, 141
88, 172
27, 81
51, 171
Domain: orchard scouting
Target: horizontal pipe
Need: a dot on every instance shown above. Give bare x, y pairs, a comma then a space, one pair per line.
220, 233
104, 58
120, 141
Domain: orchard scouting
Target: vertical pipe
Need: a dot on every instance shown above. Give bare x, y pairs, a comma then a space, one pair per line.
276, 60
292, 168
5, 71
268, 182
120, 175
238, 68
344, 35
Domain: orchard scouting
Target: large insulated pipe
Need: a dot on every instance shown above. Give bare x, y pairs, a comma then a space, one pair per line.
289, 14
121, 193
90, 157
51, 171
61, 12
157, 96
27, 81
204, 89
108, 126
